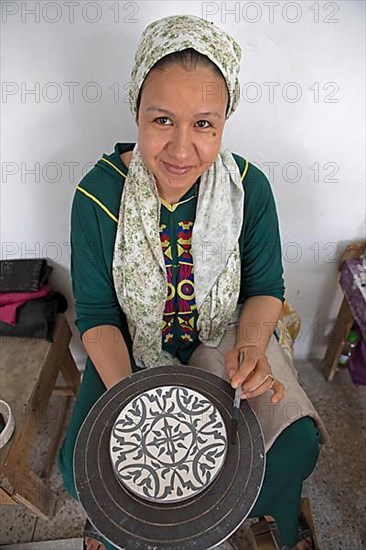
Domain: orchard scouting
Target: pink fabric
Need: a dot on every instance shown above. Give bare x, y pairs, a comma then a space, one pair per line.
10, 302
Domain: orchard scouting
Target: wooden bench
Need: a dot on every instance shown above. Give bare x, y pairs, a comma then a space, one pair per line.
29, 368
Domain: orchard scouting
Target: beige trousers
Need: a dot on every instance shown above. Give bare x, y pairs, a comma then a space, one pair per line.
273, 418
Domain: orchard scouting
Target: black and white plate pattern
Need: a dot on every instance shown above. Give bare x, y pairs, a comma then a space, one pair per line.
168, 444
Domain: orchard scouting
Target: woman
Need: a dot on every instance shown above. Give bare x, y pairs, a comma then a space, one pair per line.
145, 215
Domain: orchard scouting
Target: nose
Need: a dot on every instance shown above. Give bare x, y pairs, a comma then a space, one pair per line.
180, 146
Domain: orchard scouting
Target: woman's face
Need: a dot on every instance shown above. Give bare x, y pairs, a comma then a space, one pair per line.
180, 124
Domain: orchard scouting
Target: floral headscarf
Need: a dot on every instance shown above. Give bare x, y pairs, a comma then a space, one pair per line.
179, 32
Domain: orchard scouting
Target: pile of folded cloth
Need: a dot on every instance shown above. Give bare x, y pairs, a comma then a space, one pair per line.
28, 305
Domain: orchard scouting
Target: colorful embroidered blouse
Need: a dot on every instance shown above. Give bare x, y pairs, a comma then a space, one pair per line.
180, 314
94, 218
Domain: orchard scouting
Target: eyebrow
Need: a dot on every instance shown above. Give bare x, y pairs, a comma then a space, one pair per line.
206, 113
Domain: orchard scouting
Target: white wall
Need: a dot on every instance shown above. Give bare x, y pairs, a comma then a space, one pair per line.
319, 46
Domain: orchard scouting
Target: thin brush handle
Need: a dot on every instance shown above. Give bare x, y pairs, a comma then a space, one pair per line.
237, 398
238, 390
236, 407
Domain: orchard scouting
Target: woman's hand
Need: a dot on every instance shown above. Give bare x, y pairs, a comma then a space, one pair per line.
254, 374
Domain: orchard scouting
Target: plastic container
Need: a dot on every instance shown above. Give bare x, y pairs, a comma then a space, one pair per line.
350, 344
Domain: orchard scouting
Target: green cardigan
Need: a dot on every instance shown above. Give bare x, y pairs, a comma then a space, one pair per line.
94, 217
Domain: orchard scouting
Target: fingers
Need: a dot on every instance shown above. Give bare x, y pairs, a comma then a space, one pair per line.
279, 392
238, 373
268, 383
232, 361
254, 374
251, 372
93, 544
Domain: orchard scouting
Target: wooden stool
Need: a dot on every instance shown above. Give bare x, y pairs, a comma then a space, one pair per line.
261, 535
28, 371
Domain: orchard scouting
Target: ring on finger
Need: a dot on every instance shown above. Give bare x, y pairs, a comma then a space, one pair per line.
263, 381
273, 381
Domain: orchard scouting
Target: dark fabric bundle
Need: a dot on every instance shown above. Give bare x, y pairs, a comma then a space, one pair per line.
357, 363
37, 318
23, 275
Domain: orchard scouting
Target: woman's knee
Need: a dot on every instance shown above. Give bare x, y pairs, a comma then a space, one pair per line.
65, 466
289, 461
309, 445
90, 390
300, 442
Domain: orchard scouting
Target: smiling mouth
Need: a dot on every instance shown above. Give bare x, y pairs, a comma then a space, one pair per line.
176, 169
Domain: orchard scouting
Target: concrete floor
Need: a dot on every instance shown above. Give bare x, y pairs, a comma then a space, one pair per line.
336, 488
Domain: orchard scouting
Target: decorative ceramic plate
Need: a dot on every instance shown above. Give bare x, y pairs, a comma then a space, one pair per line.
168, 444
210, 515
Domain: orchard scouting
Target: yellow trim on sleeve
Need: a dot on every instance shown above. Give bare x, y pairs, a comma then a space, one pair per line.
97, 201
113, 166
245, 169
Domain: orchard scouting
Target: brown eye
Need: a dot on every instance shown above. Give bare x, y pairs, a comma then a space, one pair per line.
204, 122
161, 120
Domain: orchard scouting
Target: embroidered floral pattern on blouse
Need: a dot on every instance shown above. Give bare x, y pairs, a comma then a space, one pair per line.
180, 312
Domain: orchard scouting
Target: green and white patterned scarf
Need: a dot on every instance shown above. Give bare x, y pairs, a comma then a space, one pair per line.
138, 264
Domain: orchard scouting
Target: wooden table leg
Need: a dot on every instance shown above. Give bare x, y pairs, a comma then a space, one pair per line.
55, 440
341, 328
31, 491
70, 371
306, 510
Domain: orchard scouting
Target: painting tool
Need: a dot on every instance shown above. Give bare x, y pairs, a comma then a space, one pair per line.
236, 407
